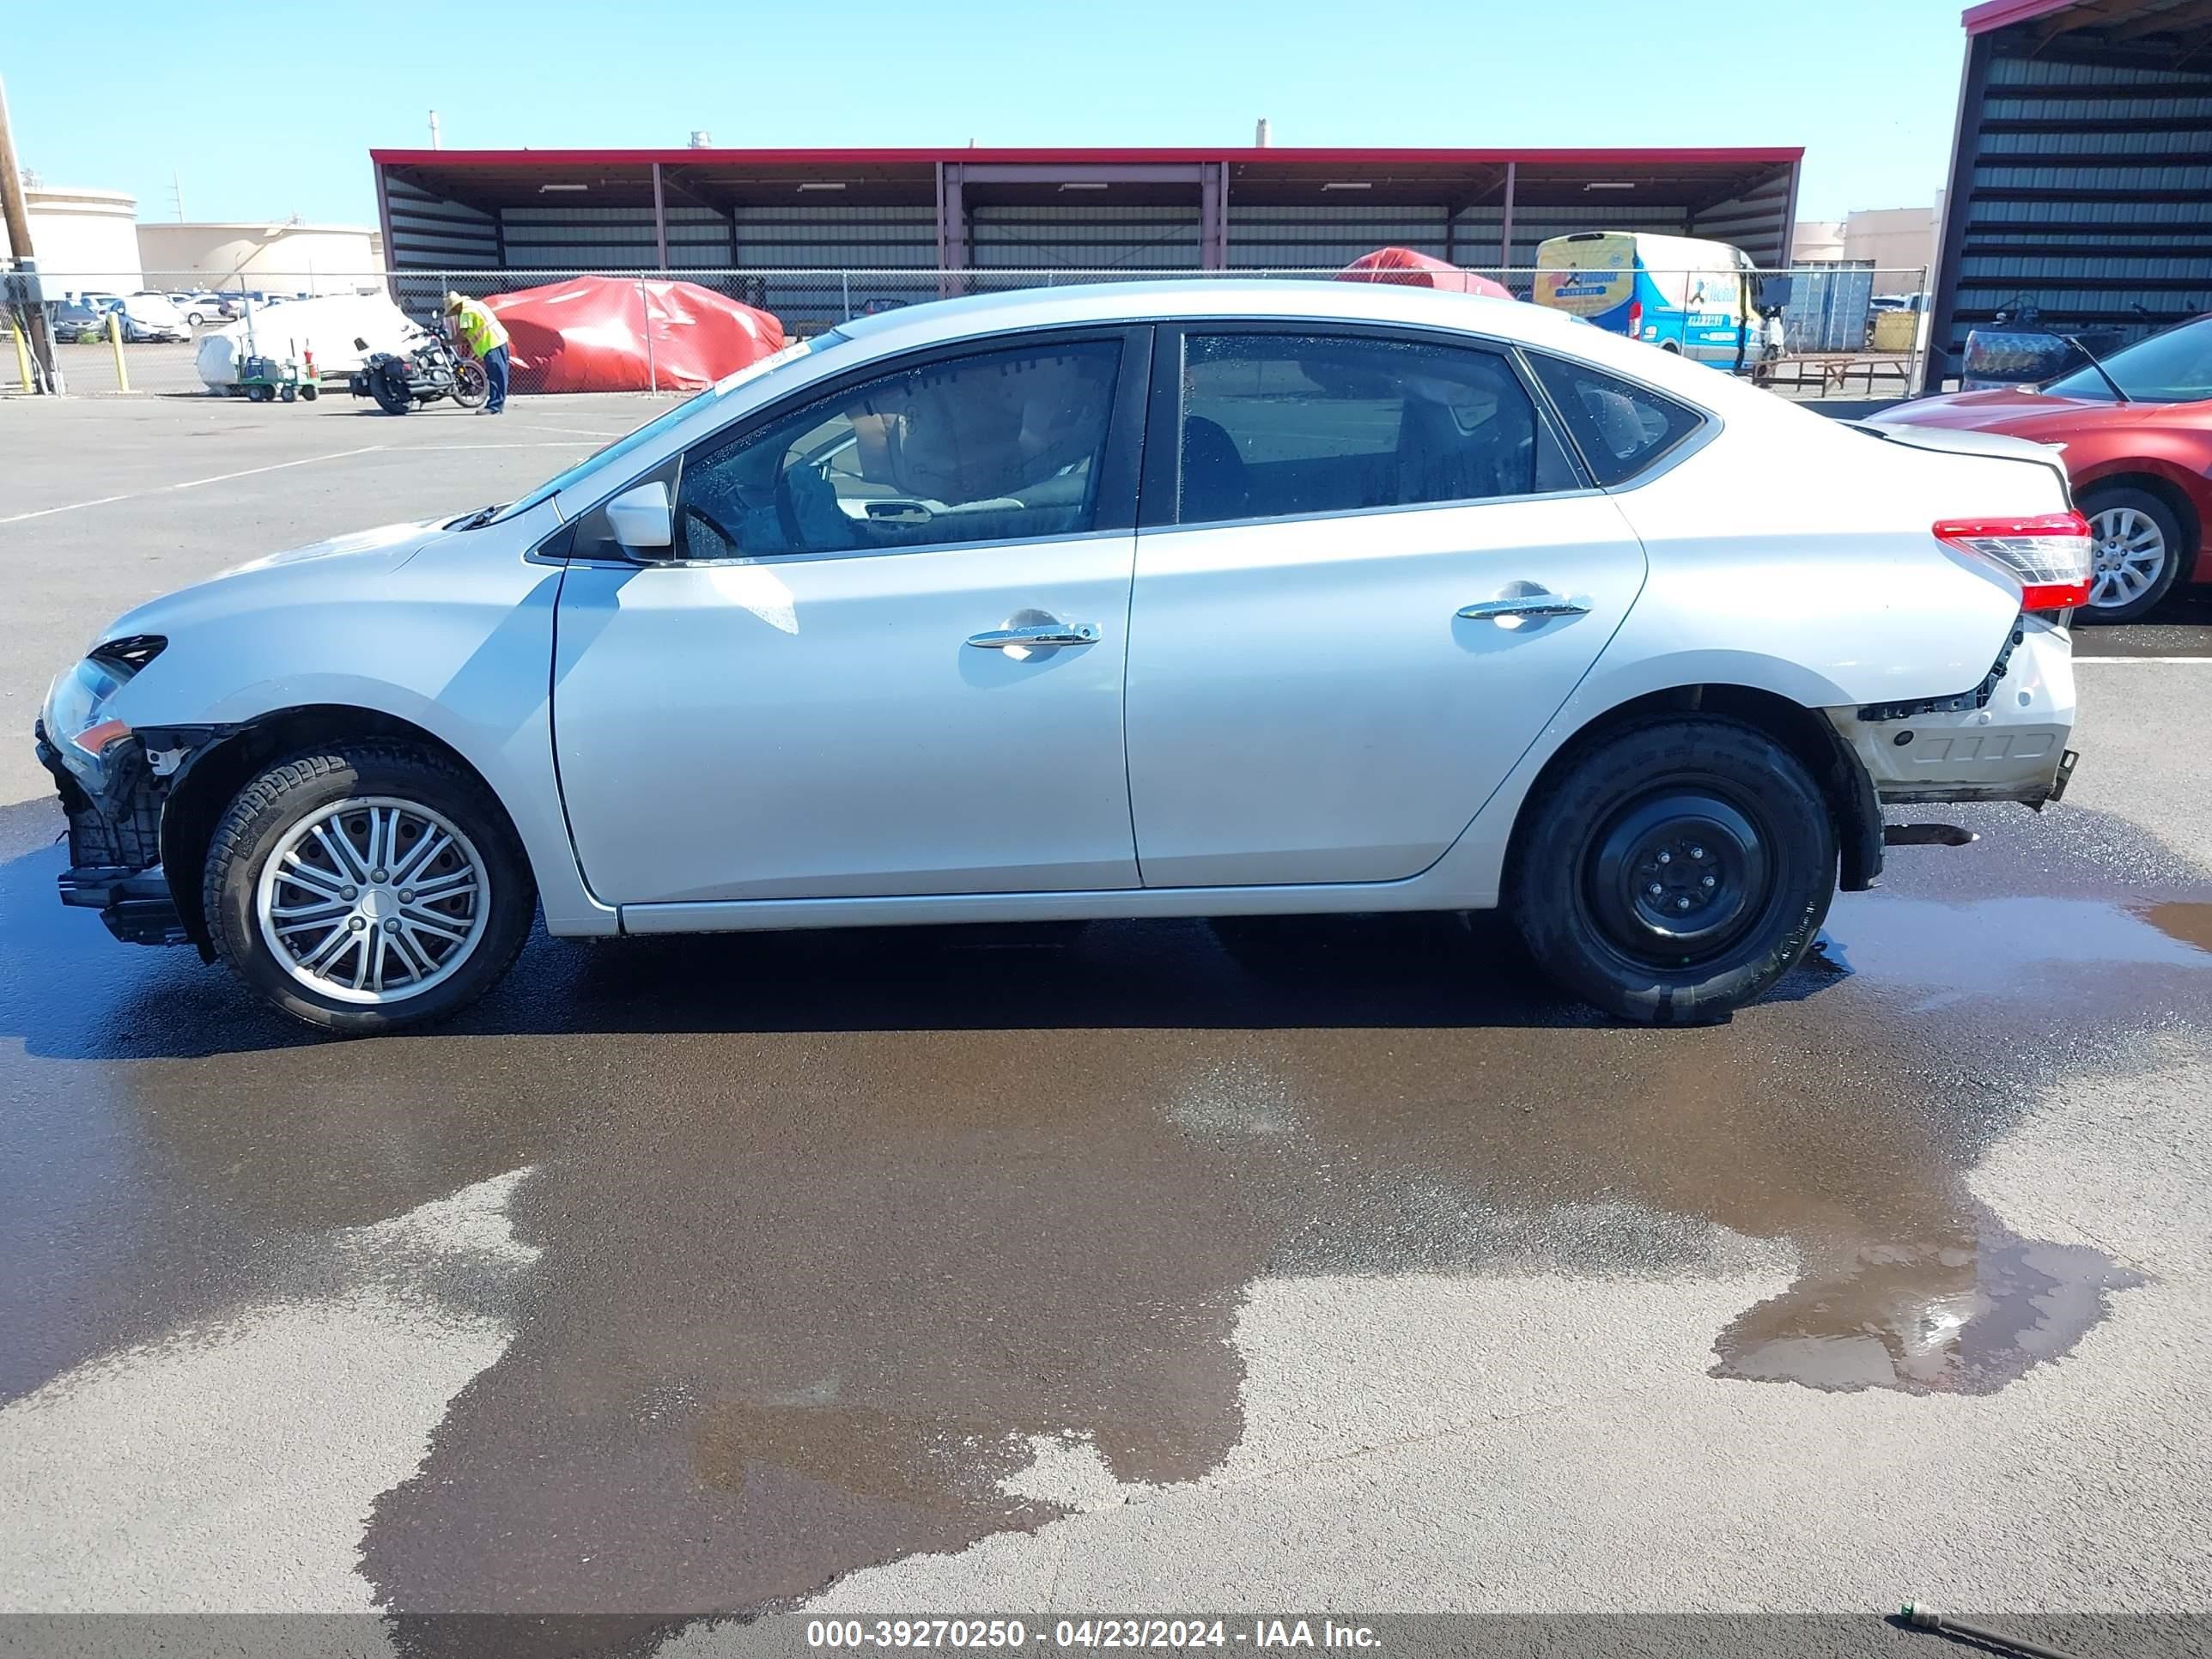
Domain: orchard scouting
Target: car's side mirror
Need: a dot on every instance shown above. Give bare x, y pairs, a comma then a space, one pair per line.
641, 519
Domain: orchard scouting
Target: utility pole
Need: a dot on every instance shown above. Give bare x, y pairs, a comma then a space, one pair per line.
22, 293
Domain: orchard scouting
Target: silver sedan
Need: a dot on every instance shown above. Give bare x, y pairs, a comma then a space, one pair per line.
1207, 598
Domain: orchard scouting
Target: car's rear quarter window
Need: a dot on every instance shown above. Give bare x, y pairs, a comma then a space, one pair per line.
1623, 429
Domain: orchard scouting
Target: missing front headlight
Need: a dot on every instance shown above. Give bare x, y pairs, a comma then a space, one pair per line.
125, 656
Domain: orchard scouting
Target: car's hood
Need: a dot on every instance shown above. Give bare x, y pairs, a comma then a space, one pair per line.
321, 571
396, 542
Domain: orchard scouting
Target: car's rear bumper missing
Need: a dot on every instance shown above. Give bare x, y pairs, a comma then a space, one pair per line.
2003, 740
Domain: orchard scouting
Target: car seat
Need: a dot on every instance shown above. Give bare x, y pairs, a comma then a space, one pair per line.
1216, 483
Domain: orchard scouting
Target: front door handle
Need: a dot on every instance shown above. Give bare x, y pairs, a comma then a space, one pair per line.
1526, 604
1052, 633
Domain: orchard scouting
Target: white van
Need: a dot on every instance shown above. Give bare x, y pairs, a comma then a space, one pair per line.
1682, 294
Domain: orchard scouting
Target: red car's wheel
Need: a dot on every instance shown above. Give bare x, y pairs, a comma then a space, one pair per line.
2137, 553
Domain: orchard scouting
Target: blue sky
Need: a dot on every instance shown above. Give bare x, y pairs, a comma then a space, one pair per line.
271, 110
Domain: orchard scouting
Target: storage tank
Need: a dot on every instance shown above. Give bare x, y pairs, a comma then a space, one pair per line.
278, 258
82, 239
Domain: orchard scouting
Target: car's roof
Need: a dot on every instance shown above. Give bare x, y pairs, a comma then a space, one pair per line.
1161, 300
1270, 299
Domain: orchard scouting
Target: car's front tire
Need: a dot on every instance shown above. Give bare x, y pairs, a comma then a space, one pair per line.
362, 887
1675, 872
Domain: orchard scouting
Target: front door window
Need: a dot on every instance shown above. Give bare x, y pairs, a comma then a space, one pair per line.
1002, 446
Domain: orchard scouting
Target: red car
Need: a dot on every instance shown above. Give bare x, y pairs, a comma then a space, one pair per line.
2136, 431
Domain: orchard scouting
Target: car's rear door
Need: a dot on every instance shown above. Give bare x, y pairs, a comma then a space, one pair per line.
1369, 572
888, 658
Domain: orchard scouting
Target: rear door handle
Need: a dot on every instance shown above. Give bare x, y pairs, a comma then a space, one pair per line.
1056, 632
1526, 604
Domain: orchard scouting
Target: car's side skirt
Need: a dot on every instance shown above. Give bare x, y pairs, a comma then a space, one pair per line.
758, 915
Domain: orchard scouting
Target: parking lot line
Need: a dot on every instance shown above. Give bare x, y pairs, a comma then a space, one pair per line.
190, 483
2101, 659
581, 431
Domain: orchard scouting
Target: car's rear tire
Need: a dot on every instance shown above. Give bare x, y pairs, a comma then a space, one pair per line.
312, 881
1717, 817
2138, 551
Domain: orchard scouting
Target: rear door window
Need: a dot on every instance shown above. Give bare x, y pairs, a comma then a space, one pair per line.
1279, 425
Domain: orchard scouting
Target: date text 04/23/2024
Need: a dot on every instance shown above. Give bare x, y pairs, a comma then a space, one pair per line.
1115, 1632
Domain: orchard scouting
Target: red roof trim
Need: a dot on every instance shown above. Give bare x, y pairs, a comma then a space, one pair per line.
1050, 157
2002, 13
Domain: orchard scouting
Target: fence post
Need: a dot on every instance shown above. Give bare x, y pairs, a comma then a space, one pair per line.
115, 341
645, 311
1923, 320
846, 278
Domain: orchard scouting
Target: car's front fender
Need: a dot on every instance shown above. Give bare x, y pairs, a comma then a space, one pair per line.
459, 645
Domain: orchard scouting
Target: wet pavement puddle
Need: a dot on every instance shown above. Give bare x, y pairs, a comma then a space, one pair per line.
833, 1232
1963, 1315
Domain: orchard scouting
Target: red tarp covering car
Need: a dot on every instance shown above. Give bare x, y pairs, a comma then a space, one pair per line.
1402, 264
588, 335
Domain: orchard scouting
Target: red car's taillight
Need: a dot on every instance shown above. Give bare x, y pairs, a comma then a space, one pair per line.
2049, 556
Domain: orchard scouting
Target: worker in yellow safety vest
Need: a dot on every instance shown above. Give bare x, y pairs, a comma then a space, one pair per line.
486, 340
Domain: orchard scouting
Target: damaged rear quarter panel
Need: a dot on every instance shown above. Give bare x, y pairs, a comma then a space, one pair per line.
2006, 748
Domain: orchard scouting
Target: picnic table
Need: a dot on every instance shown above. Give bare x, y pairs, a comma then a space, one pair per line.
1833, 370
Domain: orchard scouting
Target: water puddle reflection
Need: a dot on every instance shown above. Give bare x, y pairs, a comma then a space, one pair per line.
2007, 946
1963, 1314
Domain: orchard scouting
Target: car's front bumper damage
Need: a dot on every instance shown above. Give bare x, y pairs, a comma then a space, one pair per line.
2005, 739
115, 843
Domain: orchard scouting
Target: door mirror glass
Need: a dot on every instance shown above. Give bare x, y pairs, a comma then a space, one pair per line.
642, 520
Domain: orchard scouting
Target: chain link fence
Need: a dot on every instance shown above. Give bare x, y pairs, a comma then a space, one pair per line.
1810, 330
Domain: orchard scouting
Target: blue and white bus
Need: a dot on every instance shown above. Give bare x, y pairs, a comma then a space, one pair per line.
1682, 294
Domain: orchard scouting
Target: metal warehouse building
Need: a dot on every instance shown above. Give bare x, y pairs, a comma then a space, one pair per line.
2081, 168
799, 228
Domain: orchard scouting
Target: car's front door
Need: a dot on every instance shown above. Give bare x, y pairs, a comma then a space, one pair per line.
1370, 573
886, 656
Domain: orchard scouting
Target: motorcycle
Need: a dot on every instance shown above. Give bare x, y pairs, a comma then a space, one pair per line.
421, 372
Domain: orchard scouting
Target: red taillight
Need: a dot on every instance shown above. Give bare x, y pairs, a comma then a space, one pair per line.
1635, 319
2049, 556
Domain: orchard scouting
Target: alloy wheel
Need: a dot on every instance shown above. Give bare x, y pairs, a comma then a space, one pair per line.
2129, 551
372, 900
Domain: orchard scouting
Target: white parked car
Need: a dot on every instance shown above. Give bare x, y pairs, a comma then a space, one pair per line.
1187, 598
201, 309
149, 316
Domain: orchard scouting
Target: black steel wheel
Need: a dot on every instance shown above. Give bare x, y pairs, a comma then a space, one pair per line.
1675, 870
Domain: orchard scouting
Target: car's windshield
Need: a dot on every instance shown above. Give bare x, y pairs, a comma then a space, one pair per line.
632, 442
2174, 367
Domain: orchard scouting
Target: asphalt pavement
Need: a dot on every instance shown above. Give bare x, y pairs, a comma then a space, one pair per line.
1137, 1266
